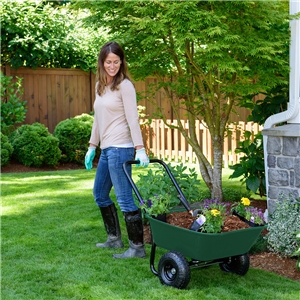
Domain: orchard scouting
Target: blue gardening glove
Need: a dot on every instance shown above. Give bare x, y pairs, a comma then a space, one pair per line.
89, 157
142, 157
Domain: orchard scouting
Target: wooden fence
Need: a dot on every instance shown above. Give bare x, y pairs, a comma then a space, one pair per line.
169, 144
54, 95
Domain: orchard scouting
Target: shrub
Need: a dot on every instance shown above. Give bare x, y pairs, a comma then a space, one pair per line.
6, 150
229, 194
251, 165
74, 135
157, 182
34, 146
13, 109
283, 225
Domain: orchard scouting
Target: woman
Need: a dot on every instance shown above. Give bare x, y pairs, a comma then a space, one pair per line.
116, 128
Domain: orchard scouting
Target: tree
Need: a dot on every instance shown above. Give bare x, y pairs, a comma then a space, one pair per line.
207, 55
35, 33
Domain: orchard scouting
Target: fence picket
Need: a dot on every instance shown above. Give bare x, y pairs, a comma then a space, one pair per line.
168, 143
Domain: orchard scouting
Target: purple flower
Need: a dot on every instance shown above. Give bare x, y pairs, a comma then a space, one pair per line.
207, 203
149, 203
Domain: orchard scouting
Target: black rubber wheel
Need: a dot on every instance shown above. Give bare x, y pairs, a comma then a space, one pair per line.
174, 270
237, 264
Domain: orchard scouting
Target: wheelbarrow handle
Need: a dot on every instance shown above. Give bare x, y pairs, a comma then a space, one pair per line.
154, 160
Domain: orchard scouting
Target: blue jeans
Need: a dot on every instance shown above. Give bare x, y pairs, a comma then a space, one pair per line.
110, 174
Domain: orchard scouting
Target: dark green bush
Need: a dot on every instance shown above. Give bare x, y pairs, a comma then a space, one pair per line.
35, 146
6, 150
231, 195
74, 135
13, 109
251, 165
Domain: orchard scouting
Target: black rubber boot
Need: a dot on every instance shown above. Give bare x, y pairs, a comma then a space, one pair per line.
134, 225
112, 226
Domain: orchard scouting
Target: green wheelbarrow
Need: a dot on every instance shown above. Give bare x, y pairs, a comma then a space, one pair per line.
190, 249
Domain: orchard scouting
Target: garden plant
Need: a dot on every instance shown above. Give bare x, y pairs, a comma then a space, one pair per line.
6, 150
73, 135
34, 146
283, 225
13, 108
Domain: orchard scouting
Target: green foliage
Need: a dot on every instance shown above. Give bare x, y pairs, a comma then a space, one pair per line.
208, 54
275, 101
35, 146
297, 252
13, 109
6, 150
251, 165
38, 34
157, 204
231, 194
157, 182
73, 135
283, 225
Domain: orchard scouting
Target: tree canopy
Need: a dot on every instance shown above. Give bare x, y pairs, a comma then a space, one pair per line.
37, 33
207, 55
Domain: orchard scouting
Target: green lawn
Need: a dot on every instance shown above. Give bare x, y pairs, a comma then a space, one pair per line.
50, 225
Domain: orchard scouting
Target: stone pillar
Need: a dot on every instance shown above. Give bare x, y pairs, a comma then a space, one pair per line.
282, 163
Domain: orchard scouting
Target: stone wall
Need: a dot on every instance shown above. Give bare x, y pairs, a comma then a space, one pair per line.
282, 162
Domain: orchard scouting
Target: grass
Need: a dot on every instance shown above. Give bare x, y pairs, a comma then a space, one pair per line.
49, 228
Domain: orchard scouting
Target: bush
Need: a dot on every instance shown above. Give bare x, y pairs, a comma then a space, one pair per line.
157, 182
283, 225
13, 109
34, 146
6, 150
229, 194
232, 195
251, 165
74, 135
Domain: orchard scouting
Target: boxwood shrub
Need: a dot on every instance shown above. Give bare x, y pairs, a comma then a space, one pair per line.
74, 135
35, 146
6, 150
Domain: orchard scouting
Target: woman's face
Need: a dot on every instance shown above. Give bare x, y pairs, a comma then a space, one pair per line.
112, 65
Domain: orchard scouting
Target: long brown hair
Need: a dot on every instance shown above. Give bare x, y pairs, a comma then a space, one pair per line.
115, 48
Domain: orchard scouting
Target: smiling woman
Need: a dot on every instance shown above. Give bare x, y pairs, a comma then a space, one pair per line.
112, 66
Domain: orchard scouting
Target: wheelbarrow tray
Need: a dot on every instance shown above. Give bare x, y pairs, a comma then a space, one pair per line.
203, 246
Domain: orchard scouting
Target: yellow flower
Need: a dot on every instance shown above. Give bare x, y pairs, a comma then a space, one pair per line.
245, 201
215, 212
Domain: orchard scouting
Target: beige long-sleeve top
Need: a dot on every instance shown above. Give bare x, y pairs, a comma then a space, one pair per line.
116, 120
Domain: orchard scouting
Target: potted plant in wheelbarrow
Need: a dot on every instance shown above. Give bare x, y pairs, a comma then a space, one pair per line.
192, 248
158, 206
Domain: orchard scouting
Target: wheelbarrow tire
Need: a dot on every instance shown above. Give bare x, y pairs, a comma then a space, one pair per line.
237, 264
174, 270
